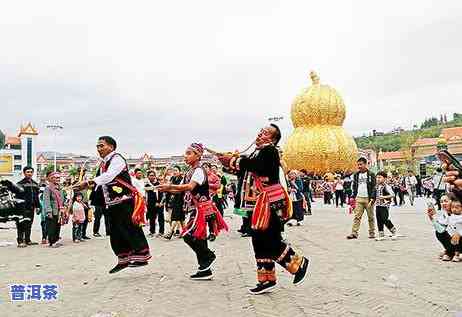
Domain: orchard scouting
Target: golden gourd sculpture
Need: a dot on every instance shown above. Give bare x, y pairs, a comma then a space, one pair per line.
319, 143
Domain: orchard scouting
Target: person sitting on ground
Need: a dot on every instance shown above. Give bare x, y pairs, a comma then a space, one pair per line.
454, 227
440, 220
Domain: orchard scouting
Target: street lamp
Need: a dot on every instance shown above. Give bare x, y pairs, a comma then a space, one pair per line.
55, 128
275, 119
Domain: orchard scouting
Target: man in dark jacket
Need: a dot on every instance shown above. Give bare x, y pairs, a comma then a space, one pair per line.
364, 192
154, 205
30, 195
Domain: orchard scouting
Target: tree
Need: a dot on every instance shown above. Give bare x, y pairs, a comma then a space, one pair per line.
406, 142
50, 168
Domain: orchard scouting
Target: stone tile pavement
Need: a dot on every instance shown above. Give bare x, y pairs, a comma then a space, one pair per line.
348, 278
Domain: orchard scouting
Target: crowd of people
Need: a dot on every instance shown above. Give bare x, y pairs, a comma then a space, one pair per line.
267, 200
58, 204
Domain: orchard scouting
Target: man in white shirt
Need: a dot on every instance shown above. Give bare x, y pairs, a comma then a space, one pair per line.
139, 182
114, 190
411, 183
364, 192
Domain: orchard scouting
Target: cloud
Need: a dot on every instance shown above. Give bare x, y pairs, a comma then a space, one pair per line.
158, 75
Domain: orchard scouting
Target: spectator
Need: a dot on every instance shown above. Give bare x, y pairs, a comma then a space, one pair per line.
30, 195
53, 207
296, 194
364, 192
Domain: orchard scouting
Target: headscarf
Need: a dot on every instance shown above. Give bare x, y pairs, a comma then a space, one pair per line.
197, 148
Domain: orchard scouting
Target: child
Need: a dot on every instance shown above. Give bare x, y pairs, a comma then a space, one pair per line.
78, 217
454, 227
440, 220
199, 204
383, 201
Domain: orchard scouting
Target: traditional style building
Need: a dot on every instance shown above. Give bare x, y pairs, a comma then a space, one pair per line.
18, 151
424, 149
390, 160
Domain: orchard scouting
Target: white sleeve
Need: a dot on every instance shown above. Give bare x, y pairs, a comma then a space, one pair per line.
198, 176
115, 168
389, 190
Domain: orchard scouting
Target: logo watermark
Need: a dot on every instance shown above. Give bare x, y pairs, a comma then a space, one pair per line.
33, 292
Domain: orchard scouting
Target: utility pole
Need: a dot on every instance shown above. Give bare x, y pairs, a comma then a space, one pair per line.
54, 128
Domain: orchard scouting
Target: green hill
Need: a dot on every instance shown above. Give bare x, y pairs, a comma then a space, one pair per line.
430, 128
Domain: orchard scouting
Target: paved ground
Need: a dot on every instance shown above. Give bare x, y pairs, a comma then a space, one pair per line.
348, 278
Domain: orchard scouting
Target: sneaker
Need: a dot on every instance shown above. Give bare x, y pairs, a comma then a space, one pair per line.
302, 272
371, 235
352, 236
86, 238
168, 236
22, 245
381, 237
76, 241
299, 223
96, 235
206, 266
456, 258
446, 258
118, 267
151, 235
262, 288
31, 243
202, 275
54, 246
137, 264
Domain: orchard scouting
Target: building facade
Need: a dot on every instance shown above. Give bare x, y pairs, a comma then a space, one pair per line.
18, 151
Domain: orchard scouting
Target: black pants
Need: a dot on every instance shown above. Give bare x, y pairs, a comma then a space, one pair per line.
445, 239
100, 212
219, 203
43, 224
246, 226
85, 224
200, 247
298, 212
53, 228
396, 192
269, 248
77, 231
127, 240
24, 227
382, 215
401, 197
339, 196
327, 198
153, 214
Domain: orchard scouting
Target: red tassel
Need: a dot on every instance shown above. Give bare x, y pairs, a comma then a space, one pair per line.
138, 215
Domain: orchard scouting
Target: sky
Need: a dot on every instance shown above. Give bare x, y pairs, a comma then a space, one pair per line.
158, 75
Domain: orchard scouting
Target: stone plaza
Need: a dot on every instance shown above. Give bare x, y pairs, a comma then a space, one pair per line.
348, 278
